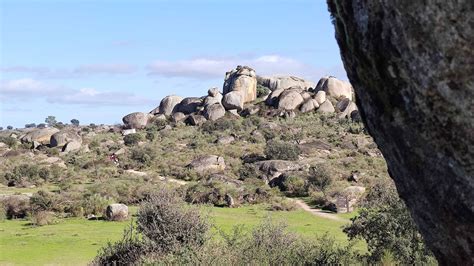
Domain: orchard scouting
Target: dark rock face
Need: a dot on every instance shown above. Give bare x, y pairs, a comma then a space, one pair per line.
412, 66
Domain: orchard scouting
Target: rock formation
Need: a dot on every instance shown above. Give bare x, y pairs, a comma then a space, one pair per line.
137, 120
242, 79
40, 135
284, 82
411, 64
64, 136
168, 105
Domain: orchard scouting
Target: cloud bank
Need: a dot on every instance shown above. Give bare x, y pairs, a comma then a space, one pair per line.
27, 88
210, 68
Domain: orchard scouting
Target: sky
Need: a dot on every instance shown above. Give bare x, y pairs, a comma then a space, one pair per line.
97, 61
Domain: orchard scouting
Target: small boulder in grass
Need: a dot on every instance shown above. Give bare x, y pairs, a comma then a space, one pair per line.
116, 212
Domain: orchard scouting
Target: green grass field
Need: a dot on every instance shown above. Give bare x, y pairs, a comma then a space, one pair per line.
76, 241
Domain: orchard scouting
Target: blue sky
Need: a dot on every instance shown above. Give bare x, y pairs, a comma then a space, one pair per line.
99, 60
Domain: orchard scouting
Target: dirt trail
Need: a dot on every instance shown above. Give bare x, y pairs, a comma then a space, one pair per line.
318, 212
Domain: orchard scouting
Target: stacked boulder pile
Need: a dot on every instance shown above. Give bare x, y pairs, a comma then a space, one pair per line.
288, 96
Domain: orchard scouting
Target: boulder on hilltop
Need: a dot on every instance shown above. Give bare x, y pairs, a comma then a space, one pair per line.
40, 135
64, 136
167, 105
284, 82
137, 120
244, 80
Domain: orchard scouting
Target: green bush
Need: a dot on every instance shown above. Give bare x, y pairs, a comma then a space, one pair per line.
295, 186
143, 156
262, 91
320, 177
278, 150
132, 139
94, 204
10, 141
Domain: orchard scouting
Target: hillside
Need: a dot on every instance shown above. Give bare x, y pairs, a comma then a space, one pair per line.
263, 141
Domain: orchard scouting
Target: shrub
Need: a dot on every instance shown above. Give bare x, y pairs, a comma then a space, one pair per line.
144, 156
94, 204
278, 150
282, 204
150, 136
169, 224
166, 225
320, 177
10, 141
230, 124
16, 207
262, 91
42, 218
295, 186
44, 201
132, 139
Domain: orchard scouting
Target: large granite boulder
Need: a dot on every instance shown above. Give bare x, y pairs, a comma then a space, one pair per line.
273, 168
272, 99
214, 111
39, 135
189, 105
309, 105
326, 107
411, 64
72, 146
290, 99
64, 136
233, 100
242, 79
116, 212
196, 120
208, 164
137, 120
168, 105
284, 82
320, 97
337, 88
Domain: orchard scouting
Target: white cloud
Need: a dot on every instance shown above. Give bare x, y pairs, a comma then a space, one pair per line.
23, 89
105, 69
26, 87
209, 68
76, 72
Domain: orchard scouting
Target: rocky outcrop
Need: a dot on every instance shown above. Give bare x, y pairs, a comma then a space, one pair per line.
233, 100
40, 135
178, 117
320, 97
214, 111
116, 212
72, 146
137, 120
168, 105
411, 64
207, 164
64, 136
309, 106
284, 82
196, 120
189, 105
337, 88
290, 99
326, 107
244, 80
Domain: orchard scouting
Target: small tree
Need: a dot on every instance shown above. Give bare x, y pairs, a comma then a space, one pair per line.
30, 125
386, 225
1, 128
75, 122
320, 177
9, 127
278, 150
50, 120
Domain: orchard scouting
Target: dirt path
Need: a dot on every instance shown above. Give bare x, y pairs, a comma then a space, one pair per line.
318, 212
162, 178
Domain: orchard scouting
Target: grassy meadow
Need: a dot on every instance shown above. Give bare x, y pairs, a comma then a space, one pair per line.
75, 241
